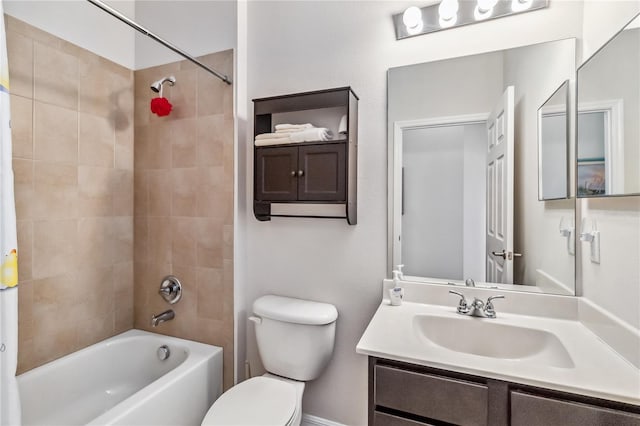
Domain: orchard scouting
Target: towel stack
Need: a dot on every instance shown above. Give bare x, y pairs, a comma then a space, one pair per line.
293, 133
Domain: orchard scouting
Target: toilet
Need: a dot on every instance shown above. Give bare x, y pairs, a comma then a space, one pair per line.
295, 341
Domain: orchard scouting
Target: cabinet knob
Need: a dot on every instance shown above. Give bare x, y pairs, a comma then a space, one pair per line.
300, 172
293, 173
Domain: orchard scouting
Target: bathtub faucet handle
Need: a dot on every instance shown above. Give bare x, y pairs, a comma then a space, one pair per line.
170, 289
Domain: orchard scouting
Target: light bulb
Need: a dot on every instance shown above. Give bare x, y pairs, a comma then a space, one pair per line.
520, 5
486, 5
480, 15
448, 9
450, 23
412, 17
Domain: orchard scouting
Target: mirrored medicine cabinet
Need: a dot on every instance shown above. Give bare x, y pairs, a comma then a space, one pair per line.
554, 146
608, 133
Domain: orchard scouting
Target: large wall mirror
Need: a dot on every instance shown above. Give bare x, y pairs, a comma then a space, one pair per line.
463, 171
608, 134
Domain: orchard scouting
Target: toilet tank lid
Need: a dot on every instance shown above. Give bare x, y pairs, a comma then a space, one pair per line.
298, 311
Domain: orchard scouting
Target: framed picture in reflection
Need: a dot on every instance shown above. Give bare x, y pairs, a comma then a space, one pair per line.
591, 177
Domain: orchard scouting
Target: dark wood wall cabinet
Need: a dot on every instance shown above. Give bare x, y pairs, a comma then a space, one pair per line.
402, 394
307, 173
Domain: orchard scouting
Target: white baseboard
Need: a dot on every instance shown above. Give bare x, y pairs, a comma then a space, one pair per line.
309, 420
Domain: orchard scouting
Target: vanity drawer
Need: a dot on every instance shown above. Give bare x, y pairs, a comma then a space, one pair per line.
533, 410
384, 419
439, 398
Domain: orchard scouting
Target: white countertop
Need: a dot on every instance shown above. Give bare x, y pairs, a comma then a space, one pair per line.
598, 370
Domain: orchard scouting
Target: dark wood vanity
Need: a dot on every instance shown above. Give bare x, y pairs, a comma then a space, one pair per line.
402, 394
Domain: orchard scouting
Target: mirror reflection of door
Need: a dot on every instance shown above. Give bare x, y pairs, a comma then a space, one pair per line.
446, 172
500, 190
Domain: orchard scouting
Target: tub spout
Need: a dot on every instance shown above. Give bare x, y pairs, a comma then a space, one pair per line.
160, 318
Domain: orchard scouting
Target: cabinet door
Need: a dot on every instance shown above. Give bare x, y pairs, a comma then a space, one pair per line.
533, 410
322, 172
384, 419
438, 398
276, 174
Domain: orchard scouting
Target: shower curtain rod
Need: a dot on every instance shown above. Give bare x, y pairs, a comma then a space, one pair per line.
113, 12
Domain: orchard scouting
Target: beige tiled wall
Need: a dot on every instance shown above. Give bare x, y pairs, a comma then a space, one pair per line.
72, 127
73, 116
184, 203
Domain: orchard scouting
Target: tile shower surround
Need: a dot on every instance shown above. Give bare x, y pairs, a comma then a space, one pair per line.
74, 118
183, 186
73, 166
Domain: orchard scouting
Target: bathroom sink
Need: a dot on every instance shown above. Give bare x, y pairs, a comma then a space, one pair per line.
490, 338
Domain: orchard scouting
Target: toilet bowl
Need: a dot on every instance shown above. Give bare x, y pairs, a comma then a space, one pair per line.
295, 341
260, 401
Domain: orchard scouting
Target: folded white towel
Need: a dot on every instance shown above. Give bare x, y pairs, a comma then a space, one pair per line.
342, 127
289, 131
271, 135
309, 135
286, 126
274, 141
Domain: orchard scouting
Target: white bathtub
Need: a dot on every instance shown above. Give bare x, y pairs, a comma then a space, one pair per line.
121, 381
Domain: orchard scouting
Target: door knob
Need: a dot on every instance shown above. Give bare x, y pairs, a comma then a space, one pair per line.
501, 254
293, 173
300, 172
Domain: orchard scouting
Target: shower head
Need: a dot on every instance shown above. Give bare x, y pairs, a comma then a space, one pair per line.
156, 86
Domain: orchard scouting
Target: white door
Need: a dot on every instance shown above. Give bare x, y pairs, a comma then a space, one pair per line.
500, 190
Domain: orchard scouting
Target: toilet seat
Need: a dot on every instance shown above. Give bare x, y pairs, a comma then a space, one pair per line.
260, 401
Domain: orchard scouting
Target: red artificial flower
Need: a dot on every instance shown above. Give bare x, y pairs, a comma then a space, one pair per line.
160, 106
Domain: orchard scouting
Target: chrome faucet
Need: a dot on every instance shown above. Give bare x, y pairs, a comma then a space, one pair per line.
477, 308
469, 282
160, 318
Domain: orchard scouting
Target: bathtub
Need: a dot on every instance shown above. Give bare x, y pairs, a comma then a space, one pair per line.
122, 381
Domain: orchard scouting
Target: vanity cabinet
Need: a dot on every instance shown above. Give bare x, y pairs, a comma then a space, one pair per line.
402, 394
309, 175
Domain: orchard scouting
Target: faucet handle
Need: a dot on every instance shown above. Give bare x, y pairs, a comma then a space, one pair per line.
463, 306
488, 307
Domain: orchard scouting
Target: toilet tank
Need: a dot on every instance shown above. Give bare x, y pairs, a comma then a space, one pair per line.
295, 337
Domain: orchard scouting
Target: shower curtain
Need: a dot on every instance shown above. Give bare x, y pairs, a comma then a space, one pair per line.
9, 399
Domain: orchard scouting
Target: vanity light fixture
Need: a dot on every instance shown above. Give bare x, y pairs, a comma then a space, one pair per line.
455, 13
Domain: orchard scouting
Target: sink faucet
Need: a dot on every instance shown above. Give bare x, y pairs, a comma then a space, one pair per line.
477, 308
160, 318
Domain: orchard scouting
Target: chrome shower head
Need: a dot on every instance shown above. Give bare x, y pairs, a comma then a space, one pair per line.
156, 86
